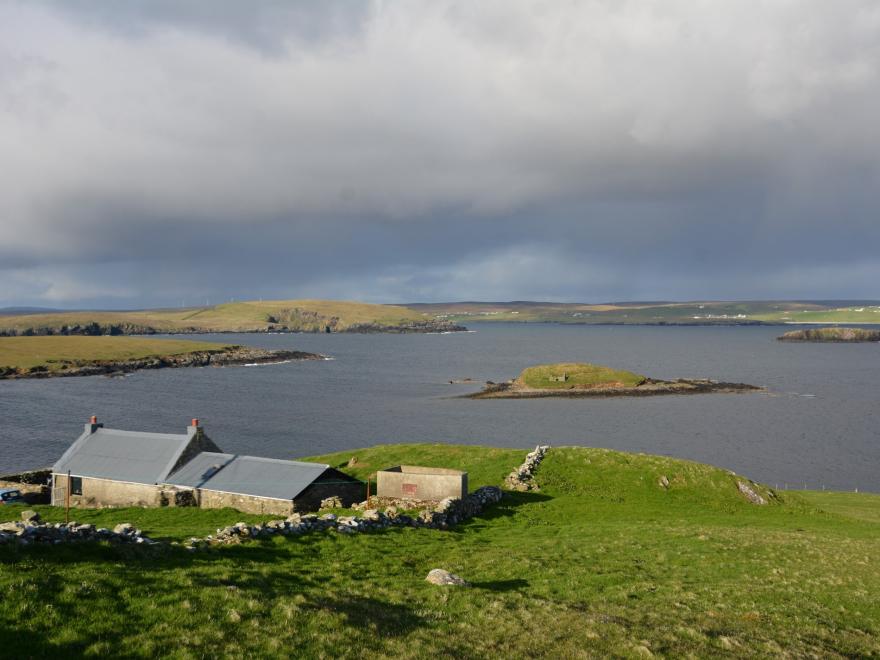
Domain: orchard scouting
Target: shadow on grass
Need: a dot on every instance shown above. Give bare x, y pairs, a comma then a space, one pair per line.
502, 585
384, 618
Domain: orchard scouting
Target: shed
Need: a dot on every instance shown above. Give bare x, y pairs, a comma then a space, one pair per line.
421, 483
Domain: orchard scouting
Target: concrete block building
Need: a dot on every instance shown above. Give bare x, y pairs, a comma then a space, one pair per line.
414, 482
111, 467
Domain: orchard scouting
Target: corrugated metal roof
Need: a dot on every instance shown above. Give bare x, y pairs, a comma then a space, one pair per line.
133, 456
248, 475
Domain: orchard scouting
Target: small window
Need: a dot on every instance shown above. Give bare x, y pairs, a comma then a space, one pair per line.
76, 486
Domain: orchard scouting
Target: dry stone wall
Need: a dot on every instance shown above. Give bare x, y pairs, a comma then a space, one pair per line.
32, 531
523, 478
446, 514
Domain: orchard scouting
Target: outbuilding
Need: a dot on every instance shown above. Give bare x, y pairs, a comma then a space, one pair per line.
112, 467
414, 482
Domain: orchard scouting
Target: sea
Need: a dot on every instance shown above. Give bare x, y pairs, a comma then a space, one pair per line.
817, 425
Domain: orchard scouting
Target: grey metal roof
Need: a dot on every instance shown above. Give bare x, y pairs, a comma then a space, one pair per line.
248, 475
144, 458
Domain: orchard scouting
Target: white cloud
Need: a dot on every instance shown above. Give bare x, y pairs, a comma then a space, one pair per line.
115, 121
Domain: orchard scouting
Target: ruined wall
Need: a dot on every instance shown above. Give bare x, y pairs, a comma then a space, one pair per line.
419, 483
98, 493
215, 499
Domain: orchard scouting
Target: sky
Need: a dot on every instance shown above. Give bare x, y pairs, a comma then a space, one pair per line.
163, 153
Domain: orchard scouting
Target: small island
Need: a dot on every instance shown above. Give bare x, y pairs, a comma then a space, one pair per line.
46, 357
592, 380
832, 335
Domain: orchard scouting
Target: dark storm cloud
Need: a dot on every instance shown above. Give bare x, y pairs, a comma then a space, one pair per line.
155, 151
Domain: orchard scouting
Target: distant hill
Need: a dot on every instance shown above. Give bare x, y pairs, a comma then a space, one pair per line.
249, 316
16, 311
659, 313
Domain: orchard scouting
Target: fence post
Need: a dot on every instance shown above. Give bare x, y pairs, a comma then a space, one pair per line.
67, 500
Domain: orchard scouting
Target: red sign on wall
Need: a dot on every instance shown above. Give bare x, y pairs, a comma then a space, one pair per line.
409, 489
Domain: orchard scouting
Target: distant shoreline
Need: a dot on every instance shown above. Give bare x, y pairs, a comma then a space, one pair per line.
651, 387
226, 356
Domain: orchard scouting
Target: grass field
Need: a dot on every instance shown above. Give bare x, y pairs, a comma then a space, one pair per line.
602, 561
305, 315
57, 352
577, 375
709, 312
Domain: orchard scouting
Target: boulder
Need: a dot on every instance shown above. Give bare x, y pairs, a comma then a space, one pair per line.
445, 578
30, 516
750, 494
124, 528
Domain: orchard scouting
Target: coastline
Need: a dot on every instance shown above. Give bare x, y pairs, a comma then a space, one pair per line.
231, 356
651, 387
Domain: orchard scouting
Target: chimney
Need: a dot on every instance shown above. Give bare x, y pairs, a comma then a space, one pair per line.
93, 425
194, 428
194, 422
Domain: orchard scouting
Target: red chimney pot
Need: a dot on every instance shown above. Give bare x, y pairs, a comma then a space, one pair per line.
93, 419
195, 421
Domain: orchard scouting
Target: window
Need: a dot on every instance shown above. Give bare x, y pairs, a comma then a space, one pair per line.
76, 486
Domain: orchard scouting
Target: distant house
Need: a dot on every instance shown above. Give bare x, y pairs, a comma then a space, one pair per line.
110, 467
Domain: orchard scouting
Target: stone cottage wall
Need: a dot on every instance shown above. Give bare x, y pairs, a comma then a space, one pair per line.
104, 492
215, 499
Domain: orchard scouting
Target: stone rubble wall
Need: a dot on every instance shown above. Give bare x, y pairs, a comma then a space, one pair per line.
446, 514
523, 477
35, 532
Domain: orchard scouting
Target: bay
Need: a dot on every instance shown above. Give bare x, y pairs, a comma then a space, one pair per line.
818, 425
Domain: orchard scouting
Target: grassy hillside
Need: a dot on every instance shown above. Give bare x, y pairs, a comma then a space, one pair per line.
604, 560
56, 353
709, 312
299, 315
486, 466
576, 375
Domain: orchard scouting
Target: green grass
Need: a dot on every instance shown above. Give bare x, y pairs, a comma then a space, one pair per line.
304, 315
577, 375
707, 312
171, 524
486, 466
56, 352
859, 506
602, 561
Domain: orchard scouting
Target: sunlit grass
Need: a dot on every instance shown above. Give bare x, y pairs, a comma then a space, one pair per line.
603, 560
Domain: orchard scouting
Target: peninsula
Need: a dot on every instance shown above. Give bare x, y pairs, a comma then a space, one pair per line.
832, 335
591, 380
247, 316
45, 357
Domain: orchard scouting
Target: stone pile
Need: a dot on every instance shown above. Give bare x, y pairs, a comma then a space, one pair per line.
332, 502
523, 477
31, 530
447, 513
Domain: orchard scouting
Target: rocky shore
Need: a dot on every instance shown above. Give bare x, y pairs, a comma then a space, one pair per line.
222, 357
832, 335
650, 387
